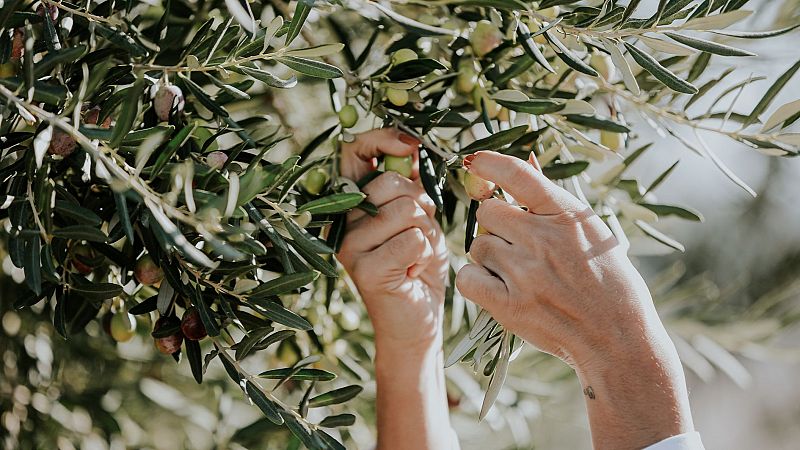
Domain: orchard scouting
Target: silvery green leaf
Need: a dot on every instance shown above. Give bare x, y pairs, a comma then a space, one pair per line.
267, 78
165, 295
622, 65
271, 31
40, 144
709, 46
717, 21
708, 152
465, 345
568, 57
756, 34
781, 115
659, 236
480, 323
773, 91
483, 349
411, 23
316, 51
667, 47
335, 396
301, 12
722, 358
498, 377
660, 72
530, 46
244, 17
267, 406
310, 67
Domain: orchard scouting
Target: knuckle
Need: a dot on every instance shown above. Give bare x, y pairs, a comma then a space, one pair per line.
573, 216
479, 247
405, 207
391, 179
486, 211
417, 238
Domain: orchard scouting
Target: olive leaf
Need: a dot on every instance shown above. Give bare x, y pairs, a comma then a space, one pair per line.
334, 203
310, 67
709, 46
301, 375
660, 72
335, 396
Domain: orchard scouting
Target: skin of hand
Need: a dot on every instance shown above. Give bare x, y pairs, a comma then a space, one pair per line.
398, 261
556, 276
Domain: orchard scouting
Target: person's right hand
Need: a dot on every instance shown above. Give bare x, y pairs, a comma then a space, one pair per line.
556, 276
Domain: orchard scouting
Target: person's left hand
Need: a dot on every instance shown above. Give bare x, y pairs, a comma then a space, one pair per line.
397, 258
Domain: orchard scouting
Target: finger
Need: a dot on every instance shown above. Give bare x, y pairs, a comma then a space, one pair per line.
520, 179
480, 286
534, 161
360, 156
401, 252
390, 186
423, 259
503, 219
368, 233
384, 141
493, 253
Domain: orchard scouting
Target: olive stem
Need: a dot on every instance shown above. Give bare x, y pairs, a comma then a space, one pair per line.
81, 13
36, 219
116, 166
222, 351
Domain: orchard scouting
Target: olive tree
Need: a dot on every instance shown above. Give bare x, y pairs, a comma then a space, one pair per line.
155, 178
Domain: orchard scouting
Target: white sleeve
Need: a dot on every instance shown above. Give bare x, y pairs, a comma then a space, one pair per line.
685, 441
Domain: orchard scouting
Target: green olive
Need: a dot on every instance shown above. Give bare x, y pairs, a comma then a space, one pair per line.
400, 164
466, 79
147, 272
398, 97
485, 38
492, 108
122, 327
477, 188
315, 181
348, 116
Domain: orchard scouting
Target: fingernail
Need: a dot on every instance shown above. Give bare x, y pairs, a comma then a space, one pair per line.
468, 161
408, 139
534, 161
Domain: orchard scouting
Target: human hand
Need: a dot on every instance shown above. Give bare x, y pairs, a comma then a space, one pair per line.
397, 259
360, 157
556, 276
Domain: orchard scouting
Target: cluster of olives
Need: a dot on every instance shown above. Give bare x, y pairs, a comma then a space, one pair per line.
169, 332
168, 98
11, 67
189, 327
397, 96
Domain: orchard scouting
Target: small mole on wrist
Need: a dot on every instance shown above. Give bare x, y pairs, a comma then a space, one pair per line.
589, 392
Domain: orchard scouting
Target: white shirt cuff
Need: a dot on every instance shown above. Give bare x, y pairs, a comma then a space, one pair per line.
686, 441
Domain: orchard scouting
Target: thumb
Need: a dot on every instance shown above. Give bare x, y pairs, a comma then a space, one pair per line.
534, 162
481, 287
360, 156
523, 180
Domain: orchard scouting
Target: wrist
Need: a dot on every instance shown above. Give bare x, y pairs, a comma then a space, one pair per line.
635, 392
392, 352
